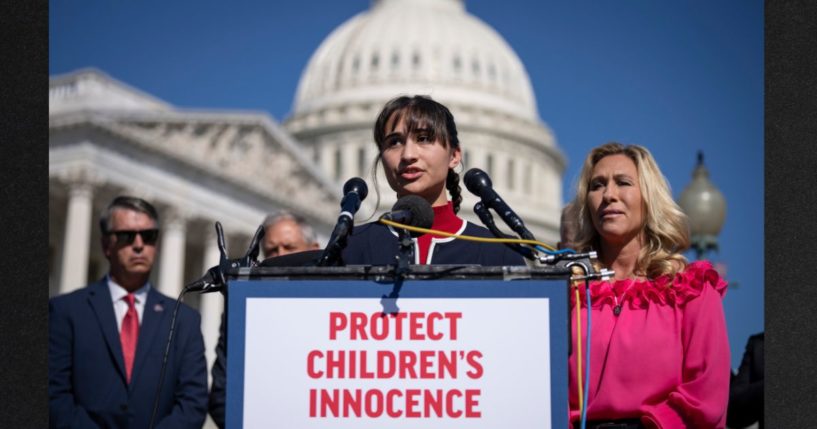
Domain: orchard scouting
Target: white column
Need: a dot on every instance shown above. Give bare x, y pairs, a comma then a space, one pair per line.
171, 251
210, 305
499, 175
327, 158
77, 244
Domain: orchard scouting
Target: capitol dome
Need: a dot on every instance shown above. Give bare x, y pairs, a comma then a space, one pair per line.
435, 48
425, 45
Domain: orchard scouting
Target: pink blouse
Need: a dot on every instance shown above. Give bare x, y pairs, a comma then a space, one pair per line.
664, 358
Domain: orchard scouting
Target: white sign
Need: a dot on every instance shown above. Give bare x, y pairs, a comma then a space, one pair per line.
439, 363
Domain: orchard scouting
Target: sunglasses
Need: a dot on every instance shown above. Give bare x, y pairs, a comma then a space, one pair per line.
149, 236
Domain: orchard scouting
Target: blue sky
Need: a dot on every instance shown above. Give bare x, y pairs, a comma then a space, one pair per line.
676, 77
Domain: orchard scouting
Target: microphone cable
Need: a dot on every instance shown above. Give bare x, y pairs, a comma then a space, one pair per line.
587, 363
577, 306
165, 356
538, 245
583, 366
470, 237
555, 252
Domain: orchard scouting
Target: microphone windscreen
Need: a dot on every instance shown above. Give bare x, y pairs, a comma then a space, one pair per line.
422, 215
357, 185
476, 181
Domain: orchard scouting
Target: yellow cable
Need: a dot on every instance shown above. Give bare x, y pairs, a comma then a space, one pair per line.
466, 237
579, 348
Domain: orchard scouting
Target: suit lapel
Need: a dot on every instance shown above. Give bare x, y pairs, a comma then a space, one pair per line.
156, 309
101, 302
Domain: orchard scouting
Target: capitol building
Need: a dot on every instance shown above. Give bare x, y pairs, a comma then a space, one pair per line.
107, 138
458, 60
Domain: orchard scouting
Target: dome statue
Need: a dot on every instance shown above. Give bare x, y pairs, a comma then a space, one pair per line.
434, 48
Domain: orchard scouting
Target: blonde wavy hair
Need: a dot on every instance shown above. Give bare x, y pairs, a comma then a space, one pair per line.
665, 229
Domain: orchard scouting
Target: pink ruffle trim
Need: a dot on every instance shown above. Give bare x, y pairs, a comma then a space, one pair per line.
688, 284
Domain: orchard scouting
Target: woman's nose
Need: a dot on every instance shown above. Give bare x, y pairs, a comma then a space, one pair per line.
610, 193
409, 151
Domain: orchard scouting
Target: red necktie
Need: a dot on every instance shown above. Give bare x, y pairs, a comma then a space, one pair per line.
129, 334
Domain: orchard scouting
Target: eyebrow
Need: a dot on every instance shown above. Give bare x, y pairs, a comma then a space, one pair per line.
415, 131
615, 176
392, 134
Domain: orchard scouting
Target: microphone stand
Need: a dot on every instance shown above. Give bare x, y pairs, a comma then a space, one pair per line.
212, 281
405, 254
404, 258
488, 220
331, 255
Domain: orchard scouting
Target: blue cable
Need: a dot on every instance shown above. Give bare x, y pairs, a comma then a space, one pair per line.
554, 252
587, 361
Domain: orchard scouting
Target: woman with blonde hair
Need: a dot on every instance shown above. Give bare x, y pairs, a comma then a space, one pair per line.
659, 354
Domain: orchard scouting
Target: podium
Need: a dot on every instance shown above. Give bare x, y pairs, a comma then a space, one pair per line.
363, 347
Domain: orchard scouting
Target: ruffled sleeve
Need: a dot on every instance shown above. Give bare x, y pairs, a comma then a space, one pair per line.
700, 400
698, 276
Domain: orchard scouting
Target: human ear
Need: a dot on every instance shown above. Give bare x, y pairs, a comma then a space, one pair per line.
456, 157
105, 240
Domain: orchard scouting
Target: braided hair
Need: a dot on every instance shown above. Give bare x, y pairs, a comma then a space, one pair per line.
452, 183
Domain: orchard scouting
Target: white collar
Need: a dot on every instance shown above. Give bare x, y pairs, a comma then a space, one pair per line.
118, 292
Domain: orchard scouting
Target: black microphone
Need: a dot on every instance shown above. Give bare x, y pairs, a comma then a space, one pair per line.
354, 192
207, 283
479, 184
411, 210
488, 220
213, 280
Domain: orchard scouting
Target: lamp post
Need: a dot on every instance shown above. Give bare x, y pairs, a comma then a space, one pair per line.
705, 206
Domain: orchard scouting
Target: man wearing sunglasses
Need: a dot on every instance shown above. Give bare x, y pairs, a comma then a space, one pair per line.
106, 341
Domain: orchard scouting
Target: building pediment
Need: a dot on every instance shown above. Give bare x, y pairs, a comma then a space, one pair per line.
246, 153
91, 89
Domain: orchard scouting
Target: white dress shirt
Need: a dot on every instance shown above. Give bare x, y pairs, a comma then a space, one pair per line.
120, 306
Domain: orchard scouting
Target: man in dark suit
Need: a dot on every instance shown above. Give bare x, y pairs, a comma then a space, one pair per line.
746, 387
284, 234
106, 341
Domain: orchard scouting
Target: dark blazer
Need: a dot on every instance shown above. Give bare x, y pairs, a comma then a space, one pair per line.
746, 387
376, 244
218, 391
86, 371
